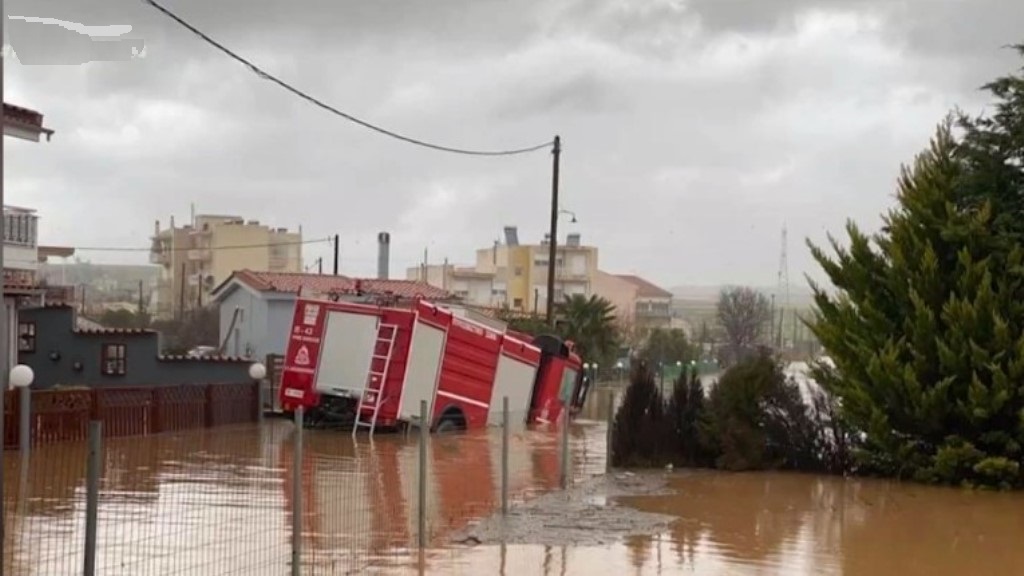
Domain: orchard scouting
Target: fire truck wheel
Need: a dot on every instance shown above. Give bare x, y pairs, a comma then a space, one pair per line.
448, 425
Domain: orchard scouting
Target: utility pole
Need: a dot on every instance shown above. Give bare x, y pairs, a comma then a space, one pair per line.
337, 248
556, 154
320, 265
4, 332
181, 294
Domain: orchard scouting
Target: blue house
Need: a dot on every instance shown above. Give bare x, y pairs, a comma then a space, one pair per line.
256, 308
62, 354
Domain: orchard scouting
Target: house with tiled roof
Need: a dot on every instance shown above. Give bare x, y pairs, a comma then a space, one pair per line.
256, 307
638, 302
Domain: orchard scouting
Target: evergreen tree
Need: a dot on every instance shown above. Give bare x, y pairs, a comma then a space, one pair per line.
638, 429
925, 330
757, 420
686, 418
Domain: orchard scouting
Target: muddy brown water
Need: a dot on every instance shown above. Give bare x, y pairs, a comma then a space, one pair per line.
219, 502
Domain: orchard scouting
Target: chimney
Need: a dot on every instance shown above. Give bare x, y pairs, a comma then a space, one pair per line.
156, 228
383, 255
511, 236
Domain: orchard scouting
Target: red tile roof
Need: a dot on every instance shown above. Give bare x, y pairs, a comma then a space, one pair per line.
115, 331
25, 118
293, 282
645, 289
225, 359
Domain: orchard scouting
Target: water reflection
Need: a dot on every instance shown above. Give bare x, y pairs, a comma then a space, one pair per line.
219, 501
799, 524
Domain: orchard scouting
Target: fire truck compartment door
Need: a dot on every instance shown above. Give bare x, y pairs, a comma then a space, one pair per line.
346, 353
422, 371
514, 379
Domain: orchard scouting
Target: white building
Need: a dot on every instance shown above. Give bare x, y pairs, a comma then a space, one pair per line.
21, 251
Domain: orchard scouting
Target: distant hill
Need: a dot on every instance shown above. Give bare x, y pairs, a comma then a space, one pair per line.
699, 296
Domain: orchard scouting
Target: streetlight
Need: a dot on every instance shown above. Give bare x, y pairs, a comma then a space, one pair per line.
570, 213
594, 368
257, 371
619, 366
21, 376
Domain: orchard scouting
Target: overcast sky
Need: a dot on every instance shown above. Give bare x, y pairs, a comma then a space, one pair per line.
692, 129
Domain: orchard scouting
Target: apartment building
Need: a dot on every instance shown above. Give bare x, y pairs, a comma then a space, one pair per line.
638, 302
198, 257
514, 275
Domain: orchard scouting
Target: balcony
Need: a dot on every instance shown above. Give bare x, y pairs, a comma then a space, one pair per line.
199, 254
161, 257
63, 294
20, 228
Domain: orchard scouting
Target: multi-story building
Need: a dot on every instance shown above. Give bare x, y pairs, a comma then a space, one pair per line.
514, 275
198, 257
638, 302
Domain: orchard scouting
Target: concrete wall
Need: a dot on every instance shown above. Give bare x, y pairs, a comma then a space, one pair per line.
619, 292
279, 323
263, 325
143, 367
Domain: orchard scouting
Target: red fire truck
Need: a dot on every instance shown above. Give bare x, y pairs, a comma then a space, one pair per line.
370, 366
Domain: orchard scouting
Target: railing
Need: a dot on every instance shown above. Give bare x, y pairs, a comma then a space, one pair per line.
59, 293
20, 229
64, 415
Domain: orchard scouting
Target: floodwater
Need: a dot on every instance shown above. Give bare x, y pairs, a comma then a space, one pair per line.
220, 501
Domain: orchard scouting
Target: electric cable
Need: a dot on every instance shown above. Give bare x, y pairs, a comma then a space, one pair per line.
315, 101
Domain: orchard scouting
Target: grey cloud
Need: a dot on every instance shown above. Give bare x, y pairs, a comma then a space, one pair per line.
676, 168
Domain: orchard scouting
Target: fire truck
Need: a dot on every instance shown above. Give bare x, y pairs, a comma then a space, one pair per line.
369, 367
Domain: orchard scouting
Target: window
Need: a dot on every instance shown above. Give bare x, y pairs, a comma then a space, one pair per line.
517, 303
26, 336
114, 360
519, 270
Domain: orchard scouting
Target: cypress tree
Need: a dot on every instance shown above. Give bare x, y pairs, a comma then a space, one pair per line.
926, 323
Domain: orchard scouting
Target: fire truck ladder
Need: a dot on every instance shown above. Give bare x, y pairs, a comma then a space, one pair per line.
373, 398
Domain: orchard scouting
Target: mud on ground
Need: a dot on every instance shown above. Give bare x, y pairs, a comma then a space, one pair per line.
584, 515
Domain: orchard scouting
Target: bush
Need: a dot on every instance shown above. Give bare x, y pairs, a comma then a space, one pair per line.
686, 419
637, 436
759, 420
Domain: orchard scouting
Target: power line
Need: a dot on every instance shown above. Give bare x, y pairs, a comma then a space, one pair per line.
267, 76
187, 248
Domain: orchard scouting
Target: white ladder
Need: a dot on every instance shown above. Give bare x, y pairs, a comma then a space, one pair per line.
373, 397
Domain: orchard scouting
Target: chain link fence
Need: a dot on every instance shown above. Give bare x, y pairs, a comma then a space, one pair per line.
274, 497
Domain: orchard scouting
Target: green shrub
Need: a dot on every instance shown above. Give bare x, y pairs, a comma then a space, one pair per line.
637, 436
686, 419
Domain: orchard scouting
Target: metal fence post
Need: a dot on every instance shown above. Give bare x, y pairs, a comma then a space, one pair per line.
25, 431
259, 400
608, 434
297, 495
564, 483
505, 421
422, 483
92, 495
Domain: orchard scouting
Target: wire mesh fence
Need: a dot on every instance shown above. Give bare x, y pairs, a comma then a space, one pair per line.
253, 498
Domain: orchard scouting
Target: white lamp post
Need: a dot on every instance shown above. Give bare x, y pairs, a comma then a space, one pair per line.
21, 376
257, 371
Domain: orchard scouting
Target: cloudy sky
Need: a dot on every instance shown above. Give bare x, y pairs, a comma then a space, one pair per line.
692, 129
